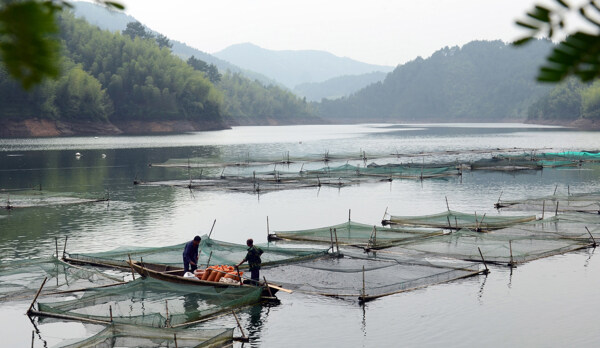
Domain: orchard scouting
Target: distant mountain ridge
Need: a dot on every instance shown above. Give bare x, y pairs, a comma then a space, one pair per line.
337, 87
117, 21
293, 68
482, 81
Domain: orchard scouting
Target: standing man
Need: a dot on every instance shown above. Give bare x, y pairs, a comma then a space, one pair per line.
190, 255
253, 258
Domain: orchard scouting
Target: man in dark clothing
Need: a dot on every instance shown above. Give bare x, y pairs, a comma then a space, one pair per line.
253, 258
190, 255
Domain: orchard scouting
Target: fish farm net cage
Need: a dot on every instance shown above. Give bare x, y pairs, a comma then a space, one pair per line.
510, 245
583, 202
365, 278
457, 220
219, 252
568, 156
358, 234
28, 198
150, 302
19, 280
122, 335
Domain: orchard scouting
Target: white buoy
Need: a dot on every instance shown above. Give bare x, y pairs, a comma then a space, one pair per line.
103, 155
77, 155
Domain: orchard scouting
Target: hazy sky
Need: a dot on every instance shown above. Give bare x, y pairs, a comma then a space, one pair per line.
388, 32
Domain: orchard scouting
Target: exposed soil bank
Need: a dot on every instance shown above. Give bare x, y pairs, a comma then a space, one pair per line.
49, 128
34, 127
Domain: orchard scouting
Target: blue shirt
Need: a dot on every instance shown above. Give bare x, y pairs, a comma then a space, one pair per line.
190, 252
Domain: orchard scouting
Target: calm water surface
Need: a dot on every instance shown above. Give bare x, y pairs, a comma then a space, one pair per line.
549, 302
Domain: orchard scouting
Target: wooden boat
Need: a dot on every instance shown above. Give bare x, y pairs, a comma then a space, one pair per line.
174, 274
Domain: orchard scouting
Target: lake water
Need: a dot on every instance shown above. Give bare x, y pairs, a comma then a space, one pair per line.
549, 302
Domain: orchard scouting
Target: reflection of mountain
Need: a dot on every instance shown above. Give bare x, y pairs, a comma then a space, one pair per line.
295, 67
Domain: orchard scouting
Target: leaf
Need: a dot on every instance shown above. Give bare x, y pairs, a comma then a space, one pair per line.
29, 45
563, 4
114, 4
527, 25
522, 41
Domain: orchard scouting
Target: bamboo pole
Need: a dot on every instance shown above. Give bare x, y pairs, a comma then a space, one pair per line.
239, 325
364, 293
447, 205
238, 274
336, 241
384, 213
209, 257
110, 311
211, 229
56, 243
167, 323
175, 339
482, 259
69, 317
32, 337
268, 288
511, 254
349, 213
65, 247
591, 235
556, 211
498, 203
131, 265
268, 232
543, 208
331, 237
36, 295
555, 188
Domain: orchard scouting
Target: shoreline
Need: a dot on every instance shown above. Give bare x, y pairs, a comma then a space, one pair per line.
39, 128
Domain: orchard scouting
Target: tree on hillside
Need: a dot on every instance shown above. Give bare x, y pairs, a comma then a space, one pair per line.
137, 29
210, 71
163, 41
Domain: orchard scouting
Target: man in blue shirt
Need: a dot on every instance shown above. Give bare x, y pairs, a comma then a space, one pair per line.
190, 255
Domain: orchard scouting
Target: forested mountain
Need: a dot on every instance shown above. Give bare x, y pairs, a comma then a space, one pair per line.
295, 67
117, 21
117, 79
481, 81
337, 87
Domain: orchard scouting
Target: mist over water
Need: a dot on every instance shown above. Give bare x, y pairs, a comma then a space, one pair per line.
548, 302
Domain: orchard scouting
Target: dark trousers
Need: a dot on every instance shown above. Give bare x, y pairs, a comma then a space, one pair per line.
254, 275
188, 267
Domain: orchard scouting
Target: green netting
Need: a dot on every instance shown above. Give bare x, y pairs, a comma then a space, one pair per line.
457, 220
585, 203
38, 198
144, 301
21, 279
570, 156
511, 245
219, 252
503, 164
343, 277
354, 233
121, 335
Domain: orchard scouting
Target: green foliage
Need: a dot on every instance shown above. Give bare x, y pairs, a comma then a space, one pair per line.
576, 55
563, 102
250, 99
482, 81
590, 101
137, 29
210, 71
28, 38
28, 41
